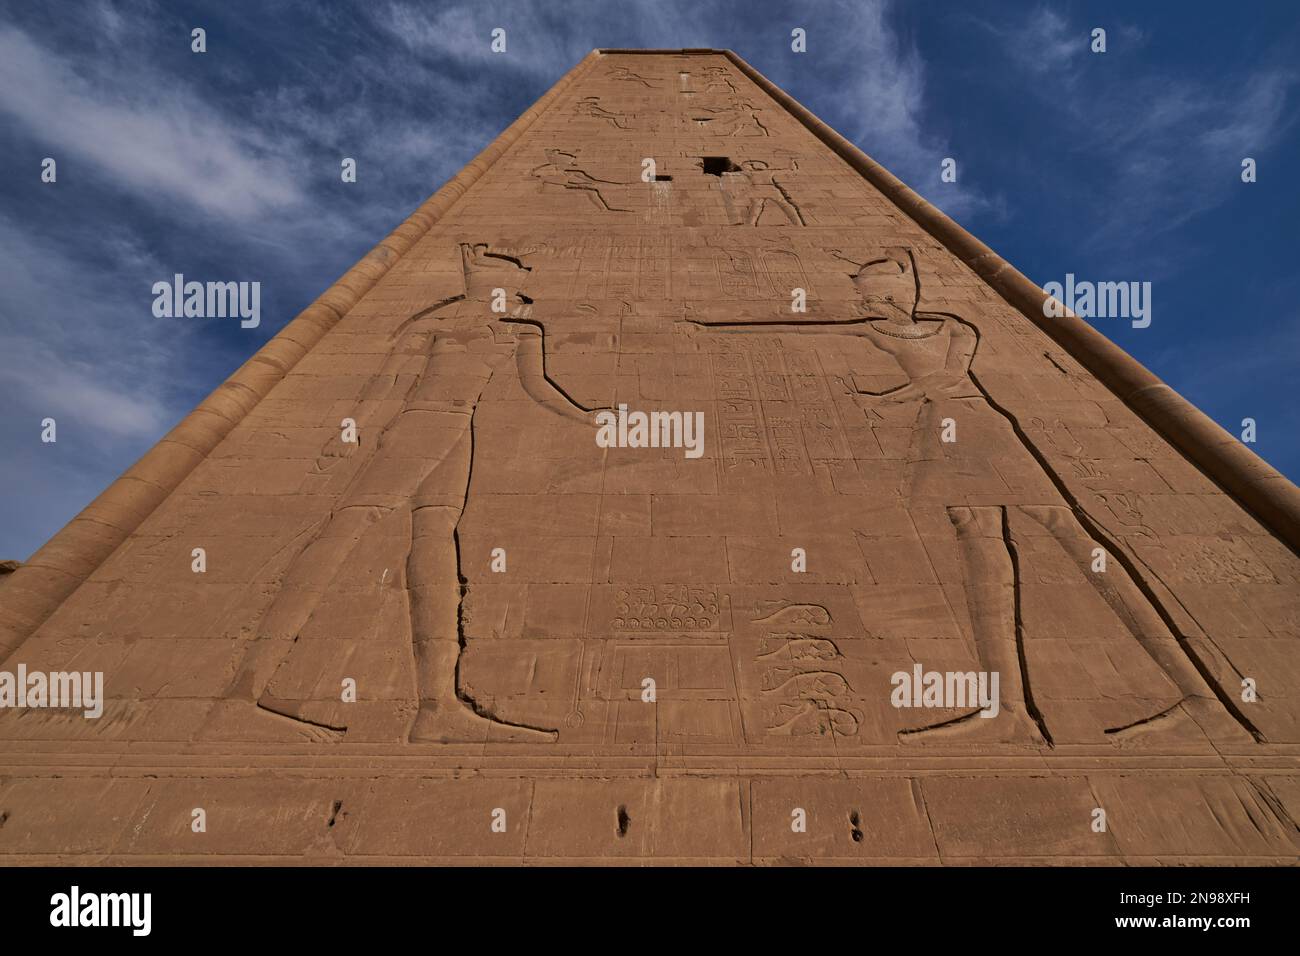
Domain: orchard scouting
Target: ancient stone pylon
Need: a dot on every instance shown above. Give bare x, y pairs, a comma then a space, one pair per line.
909, 481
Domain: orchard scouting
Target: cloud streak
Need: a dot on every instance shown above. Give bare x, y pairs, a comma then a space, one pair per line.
150, 134
1163, 145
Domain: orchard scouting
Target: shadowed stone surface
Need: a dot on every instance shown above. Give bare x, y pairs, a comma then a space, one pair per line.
561, 285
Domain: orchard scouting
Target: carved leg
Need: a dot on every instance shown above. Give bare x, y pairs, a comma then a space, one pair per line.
245, 713
990, 585
1141, 619
434, 579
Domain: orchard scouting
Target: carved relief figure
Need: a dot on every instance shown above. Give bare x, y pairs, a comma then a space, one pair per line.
421, 468
935, 351
590, 106
625, 75
754, 190
737, 118
718, 79
560, 171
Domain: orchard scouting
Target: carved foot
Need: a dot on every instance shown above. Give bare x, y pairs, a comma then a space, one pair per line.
455, 723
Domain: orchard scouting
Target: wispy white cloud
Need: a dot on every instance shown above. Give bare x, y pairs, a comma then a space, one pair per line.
461, 35
62, 387
1166, 144
81, 345
78, 347
151, 134
881, 82
1044, 41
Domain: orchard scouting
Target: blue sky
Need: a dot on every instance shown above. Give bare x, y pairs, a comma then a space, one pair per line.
1116, 166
